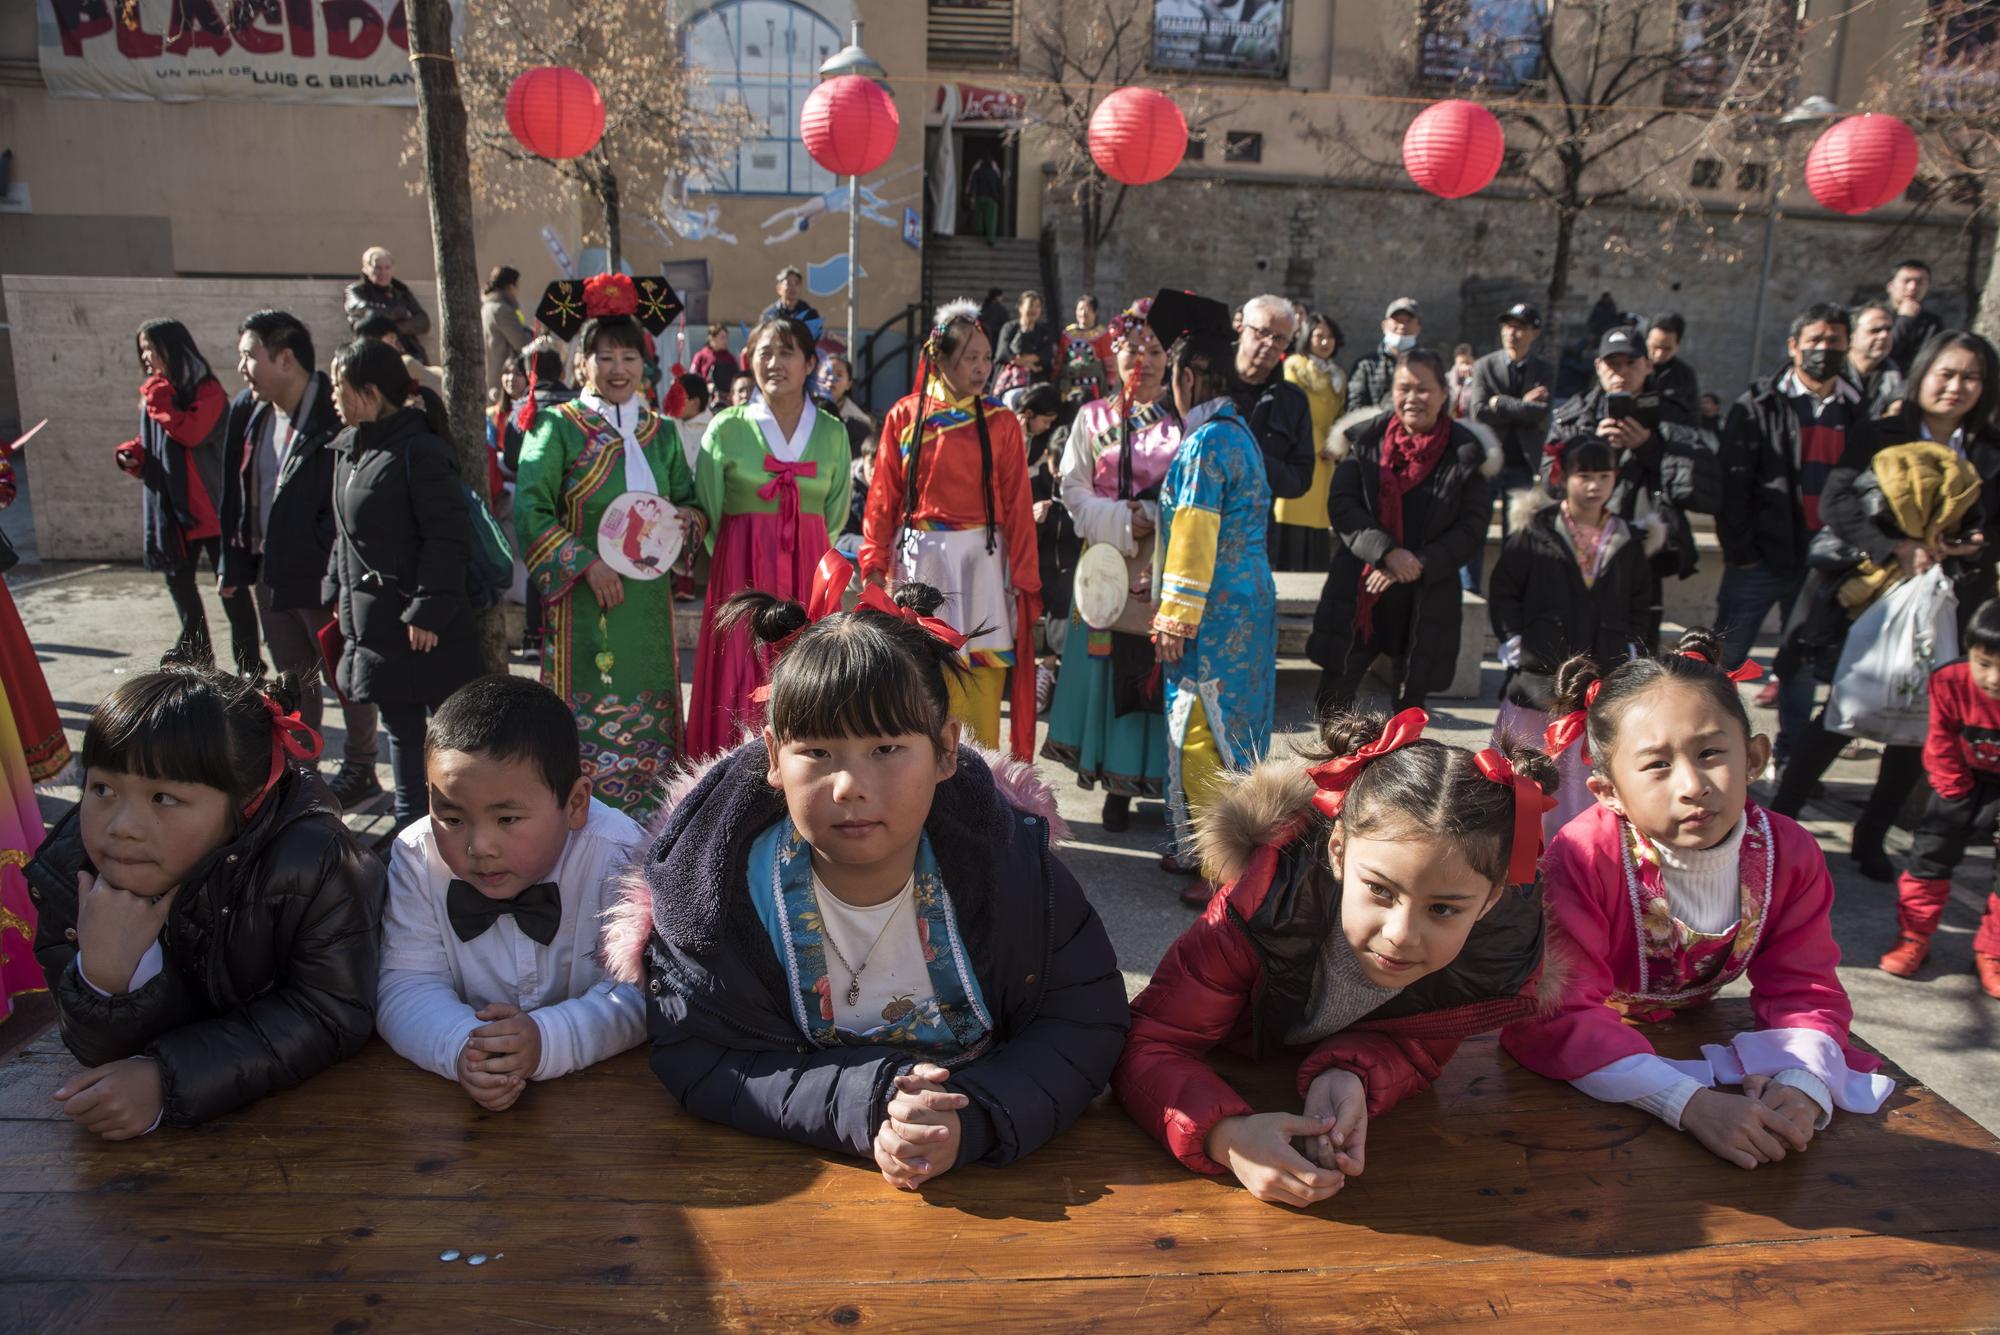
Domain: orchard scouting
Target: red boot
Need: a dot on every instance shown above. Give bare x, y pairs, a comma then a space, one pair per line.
1989, 973
1907, 957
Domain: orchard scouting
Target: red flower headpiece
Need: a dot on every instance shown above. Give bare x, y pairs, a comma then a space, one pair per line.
609, 294
1747, 670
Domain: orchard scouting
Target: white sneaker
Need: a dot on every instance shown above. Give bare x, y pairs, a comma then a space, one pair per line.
1045, 687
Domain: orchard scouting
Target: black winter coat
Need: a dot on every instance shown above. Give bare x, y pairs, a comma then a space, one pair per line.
400, 560
1762, 521
270, 958
1368, 383
1673, 474
1280, 417
1444, 524
363, 299
724, 1040
1537, 592
300, 532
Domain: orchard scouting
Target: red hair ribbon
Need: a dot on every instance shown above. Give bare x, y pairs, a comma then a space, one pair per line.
937, 629
830, 582
1529, 804
1590, 693
292, 738
1334, 777
1553, 451
1747, 670
609, 294
1557, 737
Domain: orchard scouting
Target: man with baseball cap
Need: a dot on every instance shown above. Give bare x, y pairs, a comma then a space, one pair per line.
1368, 382
1665, 470
1511, 388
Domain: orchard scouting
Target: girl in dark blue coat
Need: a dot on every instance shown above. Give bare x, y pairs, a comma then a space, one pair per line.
852, 931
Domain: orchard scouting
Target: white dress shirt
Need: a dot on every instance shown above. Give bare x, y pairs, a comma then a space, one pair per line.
433, 983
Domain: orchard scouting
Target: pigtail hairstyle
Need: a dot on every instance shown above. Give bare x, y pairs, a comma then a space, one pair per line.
188, 721
1693, 662
954, 324
864, 673
1429, 789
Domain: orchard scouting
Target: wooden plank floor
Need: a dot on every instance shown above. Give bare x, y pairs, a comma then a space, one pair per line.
1498, 1199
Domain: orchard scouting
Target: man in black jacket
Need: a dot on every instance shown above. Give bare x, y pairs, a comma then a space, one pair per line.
1510, 393
1914, 325
1665, 470
379, 292
277, 518
1781, 442
1276, 409
791, 303
1672, 374
1368, 382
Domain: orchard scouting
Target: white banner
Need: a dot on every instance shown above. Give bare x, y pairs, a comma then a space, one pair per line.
326, 51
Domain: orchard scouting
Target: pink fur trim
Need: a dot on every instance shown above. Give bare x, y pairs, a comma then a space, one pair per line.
1025, 790
628, 925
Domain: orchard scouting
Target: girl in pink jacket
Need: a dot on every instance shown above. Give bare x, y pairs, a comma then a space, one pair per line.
1675, 884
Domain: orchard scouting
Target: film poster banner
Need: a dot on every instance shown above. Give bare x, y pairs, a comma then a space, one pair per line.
1495, 44
325, 51
1220, 36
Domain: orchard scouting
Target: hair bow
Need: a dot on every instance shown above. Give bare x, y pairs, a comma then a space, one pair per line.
873, 597
1332, 778
1529, 804
1553, 451
292, 738
1557, 737
1747, 670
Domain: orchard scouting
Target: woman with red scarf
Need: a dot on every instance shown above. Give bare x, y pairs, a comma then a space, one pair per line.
1410, 500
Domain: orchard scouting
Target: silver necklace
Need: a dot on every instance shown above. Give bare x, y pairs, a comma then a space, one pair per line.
854, 974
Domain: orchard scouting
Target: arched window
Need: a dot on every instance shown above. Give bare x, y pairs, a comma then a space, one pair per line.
764, 55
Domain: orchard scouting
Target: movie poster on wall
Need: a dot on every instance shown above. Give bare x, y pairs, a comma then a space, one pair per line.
1493, 44
335, 52
1220, 36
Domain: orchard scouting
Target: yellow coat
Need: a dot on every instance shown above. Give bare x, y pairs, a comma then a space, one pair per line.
1929, 492
1326, 393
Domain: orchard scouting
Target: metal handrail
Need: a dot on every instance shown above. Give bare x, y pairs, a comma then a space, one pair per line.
864, 379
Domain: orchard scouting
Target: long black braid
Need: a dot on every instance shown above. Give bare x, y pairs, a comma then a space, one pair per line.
926, 372
985, 465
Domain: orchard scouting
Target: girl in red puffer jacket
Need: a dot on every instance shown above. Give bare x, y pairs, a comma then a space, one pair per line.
1366, 924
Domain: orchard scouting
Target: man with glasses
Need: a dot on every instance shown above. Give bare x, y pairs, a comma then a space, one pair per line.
1279, 415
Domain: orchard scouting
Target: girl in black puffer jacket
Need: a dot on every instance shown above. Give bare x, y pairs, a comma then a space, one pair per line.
203, 907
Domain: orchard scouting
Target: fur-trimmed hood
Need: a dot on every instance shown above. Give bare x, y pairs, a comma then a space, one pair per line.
713, 810
1340, 437
1270, 807
1526, 503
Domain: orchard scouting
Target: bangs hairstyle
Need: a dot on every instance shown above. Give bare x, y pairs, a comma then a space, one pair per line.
1980, 416
1429, 790
613, 331
855, 674
1587, 454
504, 718
1983, 630
189, 722
1632, 680
1425, 358
792, 333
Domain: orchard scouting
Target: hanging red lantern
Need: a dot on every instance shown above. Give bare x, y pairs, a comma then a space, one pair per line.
850, 125
555, 111
1138, 136
1453, 149
1862, 163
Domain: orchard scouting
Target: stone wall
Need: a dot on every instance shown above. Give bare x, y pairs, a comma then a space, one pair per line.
74, 364
1351, 250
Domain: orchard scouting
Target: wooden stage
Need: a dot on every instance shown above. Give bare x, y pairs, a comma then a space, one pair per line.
1498, 1200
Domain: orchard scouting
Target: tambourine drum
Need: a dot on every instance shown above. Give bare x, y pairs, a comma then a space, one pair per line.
640, 535
1102, 585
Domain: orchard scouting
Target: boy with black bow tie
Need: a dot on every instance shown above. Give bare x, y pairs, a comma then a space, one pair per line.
490, 969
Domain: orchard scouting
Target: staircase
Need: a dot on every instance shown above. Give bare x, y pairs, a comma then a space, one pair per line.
965, 266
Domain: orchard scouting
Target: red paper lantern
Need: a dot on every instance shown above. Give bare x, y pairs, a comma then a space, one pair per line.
850, 125
1453, 149
555, 111
1862, 163
1138, 135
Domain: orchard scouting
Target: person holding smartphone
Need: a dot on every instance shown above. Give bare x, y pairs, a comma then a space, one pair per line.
1665, 471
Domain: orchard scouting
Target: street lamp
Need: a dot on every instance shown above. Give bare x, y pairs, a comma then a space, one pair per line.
1814, 111
851, 59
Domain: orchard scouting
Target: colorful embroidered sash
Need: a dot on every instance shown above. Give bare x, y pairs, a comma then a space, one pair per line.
950, 1030
1678, 966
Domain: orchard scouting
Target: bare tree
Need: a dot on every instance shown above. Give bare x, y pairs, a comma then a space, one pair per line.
1076, 53
1601, 99
1945, 81
659, 120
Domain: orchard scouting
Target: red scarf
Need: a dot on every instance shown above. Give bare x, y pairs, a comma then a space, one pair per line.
1406, 461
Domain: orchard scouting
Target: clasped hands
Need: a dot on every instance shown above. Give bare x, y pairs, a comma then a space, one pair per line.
1756, 1126
920, 1133
1299, 1158
1400, 566
500, 1056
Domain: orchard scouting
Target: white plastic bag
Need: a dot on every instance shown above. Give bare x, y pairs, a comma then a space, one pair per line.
1881, 689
